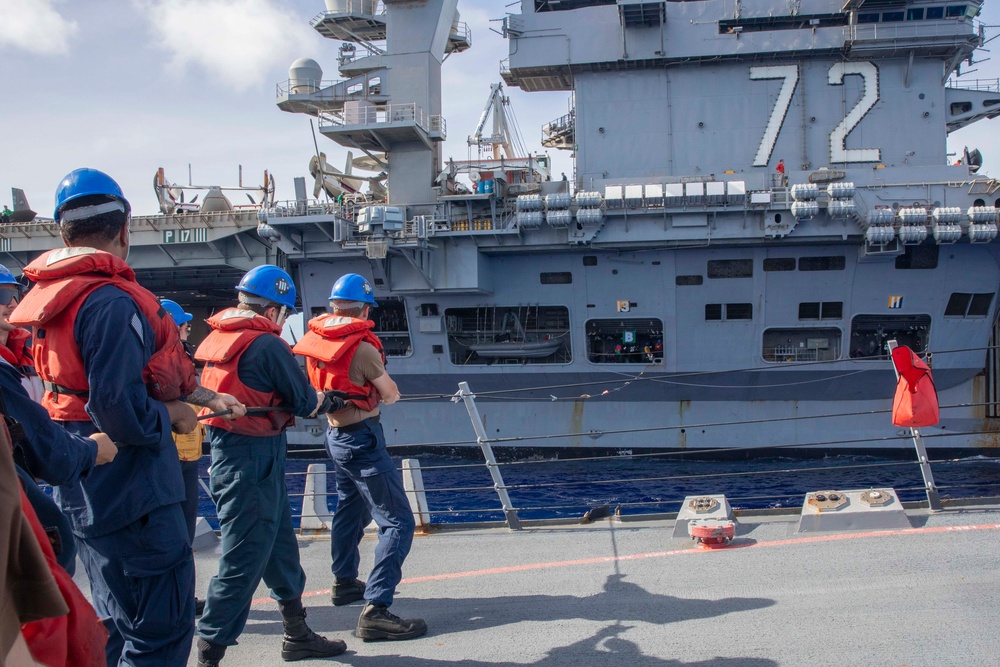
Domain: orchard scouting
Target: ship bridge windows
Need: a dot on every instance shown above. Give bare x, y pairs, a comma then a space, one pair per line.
522, 334
625, 341
801, 345
968, 305
771, 23
918, 257
870, 333
917, 14
565, 5
392, 327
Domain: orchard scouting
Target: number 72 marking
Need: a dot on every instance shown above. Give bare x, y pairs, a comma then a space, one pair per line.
839, 153
790, 74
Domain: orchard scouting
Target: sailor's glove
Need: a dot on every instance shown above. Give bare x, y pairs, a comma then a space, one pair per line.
333, 401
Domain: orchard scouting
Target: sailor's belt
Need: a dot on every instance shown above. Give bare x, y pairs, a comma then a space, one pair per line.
350, 428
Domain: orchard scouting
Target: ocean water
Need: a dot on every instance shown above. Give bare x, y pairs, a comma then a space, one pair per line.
459, 489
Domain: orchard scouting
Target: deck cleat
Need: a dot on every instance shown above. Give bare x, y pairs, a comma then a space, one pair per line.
712, 533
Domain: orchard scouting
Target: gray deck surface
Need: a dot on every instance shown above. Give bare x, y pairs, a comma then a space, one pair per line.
625, 593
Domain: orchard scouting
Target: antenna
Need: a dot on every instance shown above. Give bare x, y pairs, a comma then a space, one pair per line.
319, 163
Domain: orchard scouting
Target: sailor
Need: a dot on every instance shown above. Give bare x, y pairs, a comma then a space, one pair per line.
244, 354
111, 360
188, 444
343, 355
5, 214
15, 341
44, 450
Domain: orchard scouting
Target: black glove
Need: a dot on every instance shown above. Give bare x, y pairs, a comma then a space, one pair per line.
331, 403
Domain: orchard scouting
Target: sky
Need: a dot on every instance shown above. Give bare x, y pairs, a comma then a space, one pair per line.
127, 86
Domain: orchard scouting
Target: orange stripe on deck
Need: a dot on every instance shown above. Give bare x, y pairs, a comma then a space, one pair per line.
674, 552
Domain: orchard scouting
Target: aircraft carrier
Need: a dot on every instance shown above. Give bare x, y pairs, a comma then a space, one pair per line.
763, 196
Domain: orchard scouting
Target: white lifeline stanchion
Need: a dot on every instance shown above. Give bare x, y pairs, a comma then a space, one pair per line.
933, 498
204, 536
491, 463
316, 516
413, 483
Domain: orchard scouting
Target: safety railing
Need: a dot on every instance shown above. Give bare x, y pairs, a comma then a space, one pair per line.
371, 116
449, 490
984, 85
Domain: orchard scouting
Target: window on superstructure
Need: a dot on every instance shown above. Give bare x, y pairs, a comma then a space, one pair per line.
524, 334
834, 263
564, 5
915, 14
730, 268
739, 311
955, 11
962, 304
821, 310
890, 17
935, 13
801, 345
392, 327
555, 277
779, 264
868, 17
918, 257
681, 281
728, 311
870, 333
625, 341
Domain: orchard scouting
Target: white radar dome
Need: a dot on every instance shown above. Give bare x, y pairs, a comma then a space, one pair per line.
304, 76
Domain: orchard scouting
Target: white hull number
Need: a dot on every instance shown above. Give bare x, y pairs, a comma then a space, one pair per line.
839, 153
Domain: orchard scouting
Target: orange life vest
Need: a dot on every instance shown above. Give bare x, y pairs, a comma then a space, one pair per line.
232, 332
65, 278
329, 346
17, 351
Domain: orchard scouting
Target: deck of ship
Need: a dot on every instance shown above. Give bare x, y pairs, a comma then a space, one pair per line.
625, 593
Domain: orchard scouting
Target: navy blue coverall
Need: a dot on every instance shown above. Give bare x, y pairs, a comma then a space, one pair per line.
50, 453
127, 514
247, 482
368, 487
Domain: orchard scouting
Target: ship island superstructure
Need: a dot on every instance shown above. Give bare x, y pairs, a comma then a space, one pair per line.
762, 198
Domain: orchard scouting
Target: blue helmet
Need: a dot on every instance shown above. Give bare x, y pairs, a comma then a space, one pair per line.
84, 183
6, 277
352, 287
176, 312
271, 283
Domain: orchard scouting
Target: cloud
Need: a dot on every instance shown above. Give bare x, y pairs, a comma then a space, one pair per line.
35, 26
233, 41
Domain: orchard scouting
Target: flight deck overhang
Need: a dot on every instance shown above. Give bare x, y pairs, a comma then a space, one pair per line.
965, 106
355, 21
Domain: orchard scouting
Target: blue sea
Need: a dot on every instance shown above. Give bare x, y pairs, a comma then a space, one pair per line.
460, 489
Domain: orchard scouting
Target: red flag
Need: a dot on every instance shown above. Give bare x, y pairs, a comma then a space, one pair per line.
916, 402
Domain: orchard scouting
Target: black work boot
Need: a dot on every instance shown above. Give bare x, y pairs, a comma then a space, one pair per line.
346, 591
209, 654
377, 622
299, 641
